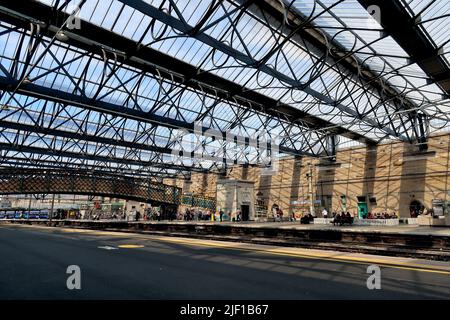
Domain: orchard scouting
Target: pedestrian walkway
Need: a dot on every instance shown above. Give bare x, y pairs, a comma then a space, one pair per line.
403, 240
400, 229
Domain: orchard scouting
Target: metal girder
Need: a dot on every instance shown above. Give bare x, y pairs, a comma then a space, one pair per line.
82, 136
332, 146
54, 166
144, 58
99, 140
86, 156
47, 93
153, 61
60, 122
64, 182
59, 96
406, 31
422, 137
185, 28
314, 41
99, 173
23, 160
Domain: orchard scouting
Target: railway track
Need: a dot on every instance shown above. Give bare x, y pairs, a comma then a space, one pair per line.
379, 243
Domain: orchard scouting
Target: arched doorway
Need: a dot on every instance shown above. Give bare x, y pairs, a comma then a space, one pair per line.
415, 208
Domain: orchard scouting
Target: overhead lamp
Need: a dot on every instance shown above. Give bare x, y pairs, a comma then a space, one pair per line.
62, 36
26, 80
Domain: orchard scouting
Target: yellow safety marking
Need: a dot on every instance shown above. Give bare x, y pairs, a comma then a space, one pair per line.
308, 255
130, 246
277, 251
319, 256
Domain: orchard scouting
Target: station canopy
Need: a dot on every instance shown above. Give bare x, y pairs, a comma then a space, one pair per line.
166, 87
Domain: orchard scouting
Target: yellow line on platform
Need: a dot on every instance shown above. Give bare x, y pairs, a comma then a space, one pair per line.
284, 252
130, 246
305, 253
319, 256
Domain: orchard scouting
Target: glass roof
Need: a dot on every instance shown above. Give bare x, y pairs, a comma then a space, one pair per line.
330, 59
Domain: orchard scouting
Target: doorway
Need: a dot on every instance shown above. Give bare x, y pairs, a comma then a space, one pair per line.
362, 210
245, 210
415, 208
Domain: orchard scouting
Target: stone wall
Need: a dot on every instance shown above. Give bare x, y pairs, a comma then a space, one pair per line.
394, 174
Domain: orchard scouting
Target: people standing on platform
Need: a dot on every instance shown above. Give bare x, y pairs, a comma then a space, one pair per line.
209, 215
337, 219
280, 214
239, 215
349, 218
325, 213
221, 213
307, 218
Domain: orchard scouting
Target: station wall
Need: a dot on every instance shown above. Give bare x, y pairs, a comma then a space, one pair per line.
392, 175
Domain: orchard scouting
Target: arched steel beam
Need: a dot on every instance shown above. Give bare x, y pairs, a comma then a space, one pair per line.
91, 37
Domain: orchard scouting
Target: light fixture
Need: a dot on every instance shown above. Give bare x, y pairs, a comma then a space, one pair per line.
26, 80
62, 36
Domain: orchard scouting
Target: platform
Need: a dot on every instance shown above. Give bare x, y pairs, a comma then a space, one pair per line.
399, 229
405, 241
117, 265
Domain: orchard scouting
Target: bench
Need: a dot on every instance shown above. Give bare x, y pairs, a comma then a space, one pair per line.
343, 220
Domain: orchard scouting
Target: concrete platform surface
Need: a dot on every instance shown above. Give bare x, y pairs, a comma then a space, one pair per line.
116, 265
400, 229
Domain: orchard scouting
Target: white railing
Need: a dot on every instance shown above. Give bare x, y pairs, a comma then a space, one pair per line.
363, 222
323, 220
376, 222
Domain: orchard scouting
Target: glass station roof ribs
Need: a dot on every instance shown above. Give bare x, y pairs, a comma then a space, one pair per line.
176, 50
142, 74
434, 19
215, 119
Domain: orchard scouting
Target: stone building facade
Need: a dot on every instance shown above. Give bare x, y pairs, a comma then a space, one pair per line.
390, 177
